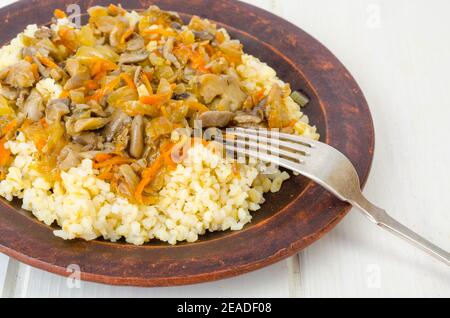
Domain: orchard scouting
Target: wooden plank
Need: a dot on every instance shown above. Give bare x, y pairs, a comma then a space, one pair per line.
3, 269
402, 67
12, 276
268, 282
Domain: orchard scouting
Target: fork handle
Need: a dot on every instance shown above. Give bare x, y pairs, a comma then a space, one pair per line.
383, 219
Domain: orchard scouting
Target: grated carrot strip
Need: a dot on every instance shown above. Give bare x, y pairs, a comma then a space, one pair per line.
64, 94
60, 14
90, 84
5, 154
116, 10
105, 175
126, 35
149, 174
35, 70
155, 99
102, 157
108, 87
46, 61
146, 78
198, 107
9, 127
127, 78
118, 160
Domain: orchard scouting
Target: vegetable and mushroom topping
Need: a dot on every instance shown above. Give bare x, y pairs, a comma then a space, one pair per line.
126, 81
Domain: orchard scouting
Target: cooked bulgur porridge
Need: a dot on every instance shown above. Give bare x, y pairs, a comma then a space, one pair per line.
90, 117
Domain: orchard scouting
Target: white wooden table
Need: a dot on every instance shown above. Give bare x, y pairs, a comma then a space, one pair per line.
399, 52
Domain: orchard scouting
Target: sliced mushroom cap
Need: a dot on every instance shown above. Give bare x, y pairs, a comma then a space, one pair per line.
137, 137
135, 43
76, 81
176, 26
233, 96
121, 141
80, 110
218, 119
117, 32
166, 16
244, 118
89, 140
74, 67
130, 177
69, 157
29, 51
95, 108
57, 74
276, 112
43, 33
200, 24
4, 73
260, 109
105, 23
137, 76
89, 124
275, 95
226, 86
56, 109
204, 36
65, 100
233, 49
118, 120
33, 106
20, 75
167, 52
10, 93
181, 96
109, 147
211, 86
47, 47
133, 57
41, 68
23, 94
218, 65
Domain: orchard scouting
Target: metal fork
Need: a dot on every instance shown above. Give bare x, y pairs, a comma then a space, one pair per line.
324, 165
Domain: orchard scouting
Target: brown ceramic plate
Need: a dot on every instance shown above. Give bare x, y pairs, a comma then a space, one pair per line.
290, 220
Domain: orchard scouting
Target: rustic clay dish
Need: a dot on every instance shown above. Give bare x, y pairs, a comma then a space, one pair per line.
290, 220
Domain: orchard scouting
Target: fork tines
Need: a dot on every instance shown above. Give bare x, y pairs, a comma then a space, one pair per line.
267, 145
